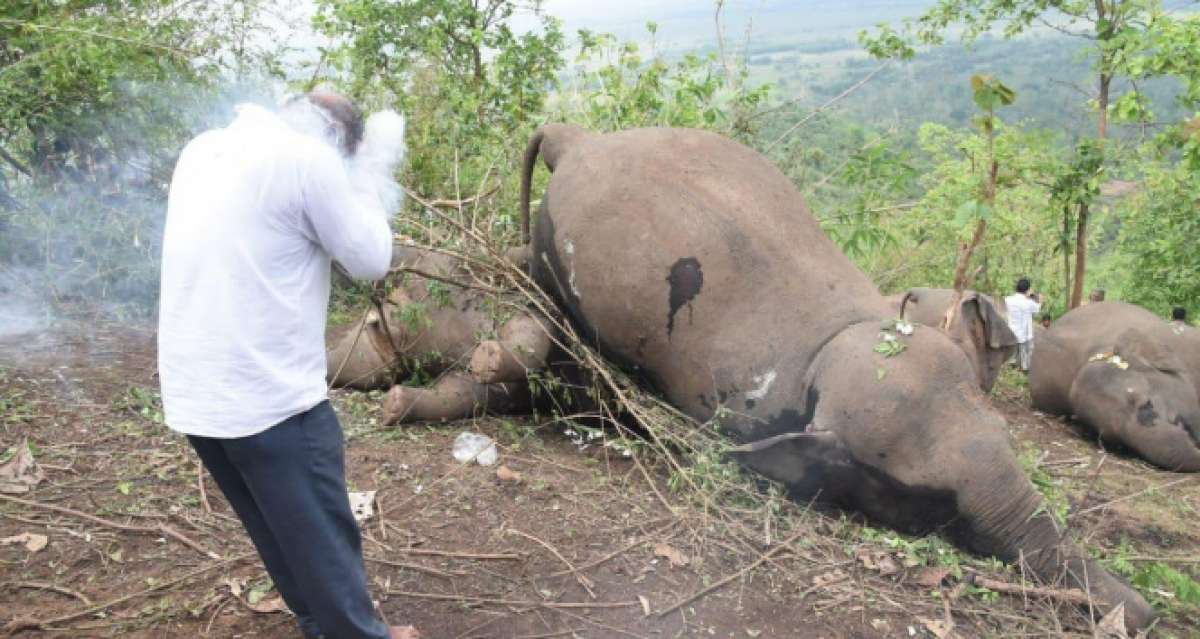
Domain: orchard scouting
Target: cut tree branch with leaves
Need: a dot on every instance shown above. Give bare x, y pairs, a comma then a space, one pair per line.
989, 94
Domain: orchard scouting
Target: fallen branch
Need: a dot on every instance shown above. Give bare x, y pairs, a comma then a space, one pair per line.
580, 577
416, 567
17, 625
471, 599
459, 555
161, 529
1131, 496
454, 204
1068, 595
755, 564
41, 585
615, 553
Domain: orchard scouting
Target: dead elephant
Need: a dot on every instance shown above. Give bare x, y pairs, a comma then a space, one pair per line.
693, 260
435, 324
978, 327
1126, 374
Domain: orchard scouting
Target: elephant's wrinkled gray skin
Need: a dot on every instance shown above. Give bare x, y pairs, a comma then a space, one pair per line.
979, 328
693, 261
1146, 399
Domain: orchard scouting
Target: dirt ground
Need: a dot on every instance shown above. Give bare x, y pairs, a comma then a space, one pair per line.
582, 546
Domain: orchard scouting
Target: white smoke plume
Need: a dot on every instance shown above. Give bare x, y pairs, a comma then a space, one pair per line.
373, 167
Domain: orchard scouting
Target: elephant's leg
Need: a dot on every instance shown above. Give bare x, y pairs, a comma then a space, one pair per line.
455, 396
522, 345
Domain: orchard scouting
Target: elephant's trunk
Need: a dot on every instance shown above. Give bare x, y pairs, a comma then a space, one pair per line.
1007, 519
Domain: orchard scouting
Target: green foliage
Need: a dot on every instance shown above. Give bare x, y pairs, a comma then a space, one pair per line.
142, 402
468, 83
415, 316
991, 93
1165, 586
96, 98
1158, 248
1053, 493
616, 87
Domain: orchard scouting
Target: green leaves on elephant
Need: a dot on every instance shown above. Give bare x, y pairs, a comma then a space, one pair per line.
889, 346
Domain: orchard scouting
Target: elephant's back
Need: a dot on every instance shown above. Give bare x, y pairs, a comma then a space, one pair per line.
693, 257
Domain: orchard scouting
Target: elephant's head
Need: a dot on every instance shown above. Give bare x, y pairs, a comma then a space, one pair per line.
1140, 393
908, 440
978, 327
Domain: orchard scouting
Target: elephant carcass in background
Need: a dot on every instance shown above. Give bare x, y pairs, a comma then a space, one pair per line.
693, 261
433, 325
1126, 374
978, 327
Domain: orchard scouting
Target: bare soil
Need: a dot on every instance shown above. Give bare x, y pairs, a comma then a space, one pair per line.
581, 546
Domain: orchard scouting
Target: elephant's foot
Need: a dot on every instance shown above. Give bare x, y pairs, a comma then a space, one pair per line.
523, 345
455, 396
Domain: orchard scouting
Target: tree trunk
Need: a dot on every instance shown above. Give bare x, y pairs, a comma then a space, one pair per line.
1066, 250
966, 251
1081, 230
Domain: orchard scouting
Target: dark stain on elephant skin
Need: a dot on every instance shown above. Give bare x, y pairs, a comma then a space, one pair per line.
1146, 415
686, 280
791, 420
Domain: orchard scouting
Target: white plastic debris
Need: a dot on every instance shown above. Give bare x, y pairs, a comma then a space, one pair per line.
362, 505
473, 446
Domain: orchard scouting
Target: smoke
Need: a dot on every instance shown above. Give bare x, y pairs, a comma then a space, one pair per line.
81, 233
21, 312
373, 168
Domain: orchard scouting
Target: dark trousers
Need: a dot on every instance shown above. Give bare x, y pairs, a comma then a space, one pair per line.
288, 486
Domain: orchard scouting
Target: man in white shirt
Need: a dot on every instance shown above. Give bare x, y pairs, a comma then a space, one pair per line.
1022, 306
256, 212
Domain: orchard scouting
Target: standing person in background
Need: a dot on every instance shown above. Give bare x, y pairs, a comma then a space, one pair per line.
255, 214
1179, 322
1022, 306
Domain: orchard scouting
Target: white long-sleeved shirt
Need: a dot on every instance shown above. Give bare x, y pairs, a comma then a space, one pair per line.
1021, 309
256, 211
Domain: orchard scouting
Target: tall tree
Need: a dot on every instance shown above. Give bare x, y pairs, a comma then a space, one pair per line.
1116, 32
464, 76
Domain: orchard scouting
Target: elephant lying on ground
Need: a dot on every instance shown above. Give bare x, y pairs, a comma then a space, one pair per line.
691, 259
1127, 375
979, 328
433, 326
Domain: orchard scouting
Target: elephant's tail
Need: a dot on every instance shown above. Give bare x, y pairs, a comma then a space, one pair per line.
908, 296
549, 141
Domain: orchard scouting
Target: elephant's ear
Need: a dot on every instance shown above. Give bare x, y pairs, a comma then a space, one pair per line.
995, 330
1144, 352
